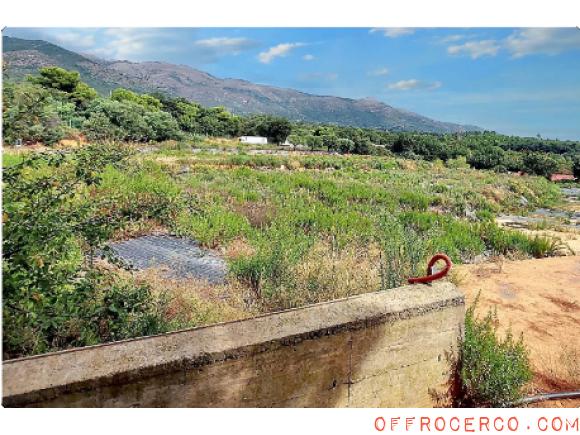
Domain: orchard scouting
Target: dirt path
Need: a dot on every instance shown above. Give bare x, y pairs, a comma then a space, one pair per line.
540, 298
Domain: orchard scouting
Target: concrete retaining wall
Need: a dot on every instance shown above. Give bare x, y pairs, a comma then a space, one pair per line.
385, 349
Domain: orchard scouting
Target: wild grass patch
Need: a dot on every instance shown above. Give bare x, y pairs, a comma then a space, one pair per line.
293, 229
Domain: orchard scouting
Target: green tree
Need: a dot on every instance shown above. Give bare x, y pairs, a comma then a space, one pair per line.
57, 78
148, 102
314, 142
362, 146
329, 141
403, 143
345, 145
163, 125
83, 94
127, 116
486, 157
186, 113
276, 129
576, 166
540, 164
65, 82
98, 127
295, 139
31, 114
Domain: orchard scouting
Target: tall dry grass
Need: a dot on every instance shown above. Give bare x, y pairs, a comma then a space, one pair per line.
327, 272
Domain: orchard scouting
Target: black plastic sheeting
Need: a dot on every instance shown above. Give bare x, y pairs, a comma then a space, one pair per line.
178, 257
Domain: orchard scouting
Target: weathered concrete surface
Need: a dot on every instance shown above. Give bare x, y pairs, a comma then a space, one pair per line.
379, 349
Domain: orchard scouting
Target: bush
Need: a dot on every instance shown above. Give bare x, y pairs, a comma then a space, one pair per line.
98, 127
212, 225
486, 157
141, 192
345, 145
404, 252
458, 163
492, 371
163, 125
127, 116
576, 166
268, 273
31, 114
505, 242
540, 164
414, 200
53, 297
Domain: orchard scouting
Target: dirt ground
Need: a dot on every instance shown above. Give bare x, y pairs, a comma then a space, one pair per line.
541, 299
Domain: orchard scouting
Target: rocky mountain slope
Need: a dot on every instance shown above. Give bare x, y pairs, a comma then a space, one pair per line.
25, 57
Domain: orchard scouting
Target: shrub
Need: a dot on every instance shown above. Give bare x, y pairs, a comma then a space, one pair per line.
141, 192
458, 163
268, 268
492, 371
542, 246
414, 200
53, 299
163, 125
126, 116
404, 252
212, 225
345, 145
540, 164
486, 157
31, 114
98, 127
269, 272
505, 242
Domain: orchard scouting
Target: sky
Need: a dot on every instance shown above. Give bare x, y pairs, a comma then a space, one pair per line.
522, 81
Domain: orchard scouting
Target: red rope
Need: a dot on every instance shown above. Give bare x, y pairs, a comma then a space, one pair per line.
434, 276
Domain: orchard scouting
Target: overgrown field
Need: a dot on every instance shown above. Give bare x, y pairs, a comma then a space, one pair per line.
295, 229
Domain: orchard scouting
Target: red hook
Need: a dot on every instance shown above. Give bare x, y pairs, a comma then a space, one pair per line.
434, 276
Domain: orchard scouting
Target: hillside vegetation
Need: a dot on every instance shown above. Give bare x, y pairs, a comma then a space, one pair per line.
56, 104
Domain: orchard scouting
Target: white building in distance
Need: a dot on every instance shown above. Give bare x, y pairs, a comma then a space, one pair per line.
257, 140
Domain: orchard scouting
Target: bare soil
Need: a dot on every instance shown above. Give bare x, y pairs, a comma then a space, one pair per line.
541, 299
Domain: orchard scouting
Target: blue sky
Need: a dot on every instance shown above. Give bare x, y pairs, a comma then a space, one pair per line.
515, 81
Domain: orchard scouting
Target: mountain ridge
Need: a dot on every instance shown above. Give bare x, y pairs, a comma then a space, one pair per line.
237, 95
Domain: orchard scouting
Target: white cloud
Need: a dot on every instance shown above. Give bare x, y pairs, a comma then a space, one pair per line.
549, 41
145, 44
434, 85
393, 32
451, 38
73, 39
379, 72
308, 57
233, 45
128, 43
476, 49
404, 85
279, 50
212, 48
79, 39
414, 84
522, 42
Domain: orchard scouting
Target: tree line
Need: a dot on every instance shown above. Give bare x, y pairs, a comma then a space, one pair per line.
56, 104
